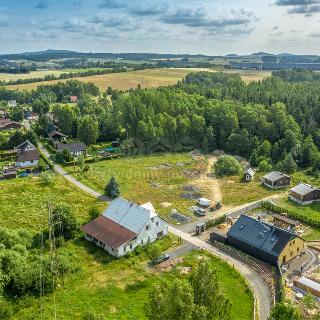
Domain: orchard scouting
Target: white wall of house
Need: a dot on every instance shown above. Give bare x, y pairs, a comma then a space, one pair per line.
155, 229
26, 164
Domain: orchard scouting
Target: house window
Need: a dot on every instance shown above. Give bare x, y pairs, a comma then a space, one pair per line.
157, 223
142, 241
298, 249
148, 239
291, 254
152, 219
124, 249
294, 241
147, 227
31, 161
130, 245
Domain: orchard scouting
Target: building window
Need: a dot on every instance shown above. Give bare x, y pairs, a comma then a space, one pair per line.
148, 239
152, 219
298, 249
124, 249
291, 254
130, 245
147, 227
294, 241
157, 223
142, 241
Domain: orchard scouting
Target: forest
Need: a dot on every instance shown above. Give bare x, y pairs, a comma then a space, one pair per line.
274, 123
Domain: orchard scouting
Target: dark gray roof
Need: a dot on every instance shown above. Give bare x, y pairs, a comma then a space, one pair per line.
303, 189
274, 176
261, 235
24, 145
72, 147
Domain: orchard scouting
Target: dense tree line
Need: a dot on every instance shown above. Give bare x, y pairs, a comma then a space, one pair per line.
297, 75
47, 94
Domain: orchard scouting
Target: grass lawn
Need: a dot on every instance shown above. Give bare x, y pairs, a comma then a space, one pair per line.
147, 78
118, 289
23, 201
156, 178
236, 192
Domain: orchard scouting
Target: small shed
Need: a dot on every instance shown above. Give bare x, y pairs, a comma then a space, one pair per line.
308, 285
276, 180
11, 174
249, 174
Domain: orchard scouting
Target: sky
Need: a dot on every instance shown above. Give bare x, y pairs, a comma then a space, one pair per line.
209, 27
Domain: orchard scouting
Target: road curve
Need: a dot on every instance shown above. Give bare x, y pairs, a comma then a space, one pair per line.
260, 289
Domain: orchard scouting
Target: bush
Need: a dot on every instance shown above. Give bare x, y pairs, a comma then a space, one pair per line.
46, 178
153, 251
227, 166
215, 222
94, 213
264, 165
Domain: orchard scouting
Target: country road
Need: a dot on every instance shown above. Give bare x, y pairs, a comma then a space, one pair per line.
260, 289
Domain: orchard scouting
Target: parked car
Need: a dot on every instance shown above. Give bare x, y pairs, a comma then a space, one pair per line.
161, 258
23, 175
204, 202
200, 212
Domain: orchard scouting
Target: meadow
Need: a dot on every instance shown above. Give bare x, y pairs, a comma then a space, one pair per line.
156, 178
106, 287
236, 192
147, 78
23, 202
119, 289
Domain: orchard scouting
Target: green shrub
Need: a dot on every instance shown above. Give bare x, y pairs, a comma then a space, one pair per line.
227, 166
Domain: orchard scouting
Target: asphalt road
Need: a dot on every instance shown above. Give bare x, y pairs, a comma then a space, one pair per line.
261, 290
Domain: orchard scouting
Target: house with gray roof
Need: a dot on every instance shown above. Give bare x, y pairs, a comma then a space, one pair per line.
124, 225
264, 241
27, 155
75, 148
276, 180
304, 194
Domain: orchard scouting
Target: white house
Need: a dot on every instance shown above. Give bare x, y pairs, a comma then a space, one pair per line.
27, 155
249, 174
12, 103
125, 225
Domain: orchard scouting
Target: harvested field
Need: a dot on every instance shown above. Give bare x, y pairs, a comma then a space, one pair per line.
148, 78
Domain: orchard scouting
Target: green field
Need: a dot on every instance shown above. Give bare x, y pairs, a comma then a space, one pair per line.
118, 289
23, 201
156, 178
237, 192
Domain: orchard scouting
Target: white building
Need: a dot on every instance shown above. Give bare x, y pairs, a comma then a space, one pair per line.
125, 225
27, 155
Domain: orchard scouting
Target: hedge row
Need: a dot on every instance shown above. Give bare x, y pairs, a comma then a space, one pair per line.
291, 214
215, 222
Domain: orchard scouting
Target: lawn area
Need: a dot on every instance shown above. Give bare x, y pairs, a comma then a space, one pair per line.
23, 201
156, 178
118, 289
147, 78
236, 192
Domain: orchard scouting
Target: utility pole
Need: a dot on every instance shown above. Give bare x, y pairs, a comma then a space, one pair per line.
53, 221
